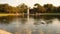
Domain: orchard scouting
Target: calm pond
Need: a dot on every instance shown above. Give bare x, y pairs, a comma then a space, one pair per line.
31, 25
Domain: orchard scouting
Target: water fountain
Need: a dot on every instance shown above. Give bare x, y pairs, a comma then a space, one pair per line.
28, 14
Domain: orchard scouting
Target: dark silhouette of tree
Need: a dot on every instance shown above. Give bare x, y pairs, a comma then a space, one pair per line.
40, 8
22, 8
49, 8
58, 9
5, 8
55, 10
37, 9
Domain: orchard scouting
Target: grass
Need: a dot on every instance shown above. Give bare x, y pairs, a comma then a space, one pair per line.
5, 14
9, 14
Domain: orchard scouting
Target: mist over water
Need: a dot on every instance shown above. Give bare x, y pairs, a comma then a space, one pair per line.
33, 25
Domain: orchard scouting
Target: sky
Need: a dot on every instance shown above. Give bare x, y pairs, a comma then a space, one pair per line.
30, 3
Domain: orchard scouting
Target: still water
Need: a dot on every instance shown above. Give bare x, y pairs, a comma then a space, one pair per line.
18, 25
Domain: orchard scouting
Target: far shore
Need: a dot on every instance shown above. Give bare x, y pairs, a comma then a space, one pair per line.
12, 14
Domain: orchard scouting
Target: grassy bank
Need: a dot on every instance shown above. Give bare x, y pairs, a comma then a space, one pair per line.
10, 15
4, 14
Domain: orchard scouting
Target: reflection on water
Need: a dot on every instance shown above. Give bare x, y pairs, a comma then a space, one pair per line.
36, 25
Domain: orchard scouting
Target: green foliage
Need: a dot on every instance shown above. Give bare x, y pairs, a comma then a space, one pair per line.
22, 8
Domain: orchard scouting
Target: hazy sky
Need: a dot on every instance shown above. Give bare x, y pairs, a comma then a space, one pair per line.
30, 2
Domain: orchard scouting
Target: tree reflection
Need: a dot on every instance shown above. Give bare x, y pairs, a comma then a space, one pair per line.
6, 19
48, 21
36, 21
23, 20
43, 19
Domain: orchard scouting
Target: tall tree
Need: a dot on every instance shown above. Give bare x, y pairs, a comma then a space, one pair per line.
39, 8
58, 9
5, 8
22, 8
49, 8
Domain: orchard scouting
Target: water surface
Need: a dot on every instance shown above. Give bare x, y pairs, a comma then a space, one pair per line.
33, 25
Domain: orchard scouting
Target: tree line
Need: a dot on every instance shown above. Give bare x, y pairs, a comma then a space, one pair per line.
22, 8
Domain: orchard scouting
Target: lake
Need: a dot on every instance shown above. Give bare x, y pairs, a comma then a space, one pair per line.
32, 25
